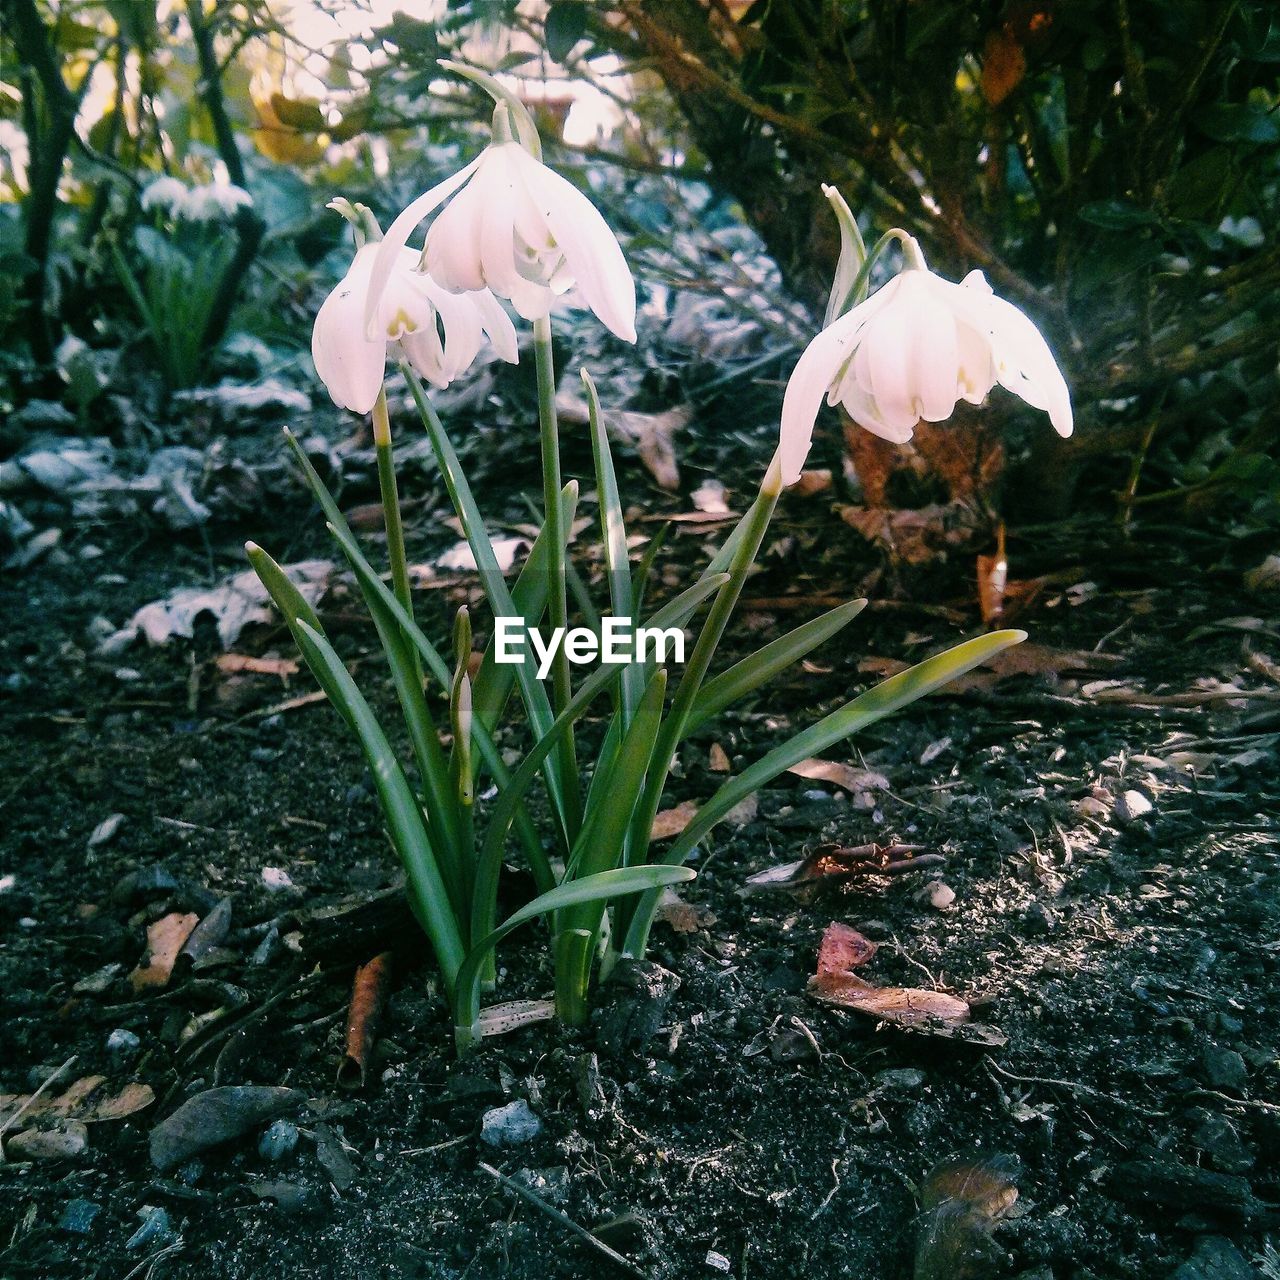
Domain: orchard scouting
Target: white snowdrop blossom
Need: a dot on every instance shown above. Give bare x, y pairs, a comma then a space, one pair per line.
912, 350
518, 228
165, 193
213, 201
439, 332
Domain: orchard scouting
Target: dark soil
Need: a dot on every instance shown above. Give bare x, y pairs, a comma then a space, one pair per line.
1132, 966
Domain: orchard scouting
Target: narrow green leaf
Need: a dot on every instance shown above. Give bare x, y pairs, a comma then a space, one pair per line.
399, 804
741, 678
613, 538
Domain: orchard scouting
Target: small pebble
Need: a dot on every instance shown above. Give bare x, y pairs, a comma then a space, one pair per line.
275, 880
78, 1215
122, 1046
1223, 1068
155, 1228
510, 1126
278, 1140
1132, 805
901, 1079
106, 829
938, 895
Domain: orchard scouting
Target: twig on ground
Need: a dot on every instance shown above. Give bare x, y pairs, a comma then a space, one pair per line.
568, 1223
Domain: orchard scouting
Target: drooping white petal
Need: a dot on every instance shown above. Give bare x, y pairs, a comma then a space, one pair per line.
1020, 357
349, 364
816, 374
591, 251
401, 229
497, 326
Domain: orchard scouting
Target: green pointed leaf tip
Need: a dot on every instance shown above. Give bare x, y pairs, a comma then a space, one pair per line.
521, 121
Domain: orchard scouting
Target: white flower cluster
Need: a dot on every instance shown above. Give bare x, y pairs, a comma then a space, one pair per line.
210, 202
511, 228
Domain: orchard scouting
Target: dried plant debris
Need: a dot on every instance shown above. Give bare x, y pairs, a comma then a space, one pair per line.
962, 1202
834, 863
915, 1009
88, 1100
368, 996
165, 941
234, 604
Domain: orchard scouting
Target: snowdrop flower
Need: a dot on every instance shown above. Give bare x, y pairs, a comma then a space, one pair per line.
214, 200
166, 194
912, 350
411, 313
521, 230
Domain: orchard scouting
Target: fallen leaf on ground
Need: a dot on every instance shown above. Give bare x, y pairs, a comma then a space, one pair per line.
368, 995
709, 496
460, 557
498, 1019
838, 862
962, 1201
681, 916
718, 759
935, 1013
235, 663
816, 481
993, 578
215, 1116
671, 822
234, 604
841, 775
1265, 577
84, 1100
842, 949
165, 939
652, 435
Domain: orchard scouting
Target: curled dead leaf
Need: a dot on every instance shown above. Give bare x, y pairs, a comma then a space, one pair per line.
671, 822
165, 939
841, 775
843, 948
498, 1019
962, 1201
837, 862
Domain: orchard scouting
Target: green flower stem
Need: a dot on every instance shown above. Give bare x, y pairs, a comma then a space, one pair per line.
391, 504
557, 605
910, 251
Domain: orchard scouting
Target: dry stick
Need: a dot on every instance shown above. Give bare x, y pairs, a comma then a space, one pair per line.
568, 1223
22, 1110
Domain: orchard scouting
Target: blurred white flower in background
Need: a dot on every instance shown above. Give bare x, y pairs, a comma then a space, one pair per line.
518, 228
166, 194
439, 332
911, 351
214, 201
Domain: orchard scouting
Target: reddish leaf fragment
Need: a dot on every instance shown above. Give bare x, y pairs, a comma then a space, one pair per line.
165, 939
368, 995
842, 949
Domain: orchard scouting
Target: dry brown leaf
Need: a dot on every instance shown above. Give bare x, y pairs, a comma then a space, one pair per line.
993, 579
903, 1006
841, 775
709, 496
83, 1100
718, 759
811, 482
1003, 66
498, 1019
671, 822
165, 939
962, 1201
836, 862
681, 916
842, 949
234, 663
368, 995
